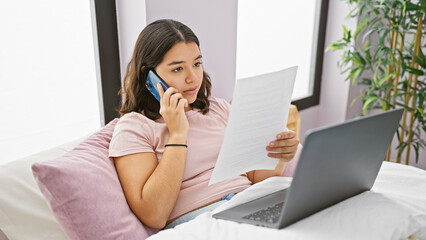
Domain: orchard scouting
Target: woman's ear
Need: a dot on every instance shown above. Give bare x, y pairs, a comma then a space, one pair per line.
142, 68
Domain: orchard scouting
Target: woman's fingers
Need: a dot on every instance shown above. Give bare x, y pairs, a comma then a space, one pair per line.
283, 149
166, 96
286, 138
284, 143
182, 103
161, 92
285, 156
175, 99
172, 110
286, 135
285, 146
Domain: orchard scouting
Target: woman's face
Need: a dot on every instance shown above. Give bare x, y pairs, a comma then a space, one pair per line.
182, 69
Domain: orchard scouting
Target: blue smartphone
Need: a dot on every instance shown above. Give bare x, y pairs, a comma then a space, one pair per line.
151, 83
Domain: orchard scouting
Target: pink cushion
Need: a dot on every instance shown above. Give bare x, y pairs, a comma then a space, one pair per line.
84, 192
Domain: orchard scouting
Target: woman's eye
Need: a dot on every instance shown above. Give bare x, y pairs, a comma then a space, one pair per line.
177, 69
198, 64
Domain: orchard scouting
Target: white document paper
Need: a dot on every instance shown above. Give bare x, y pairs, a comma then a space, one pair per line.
259, 111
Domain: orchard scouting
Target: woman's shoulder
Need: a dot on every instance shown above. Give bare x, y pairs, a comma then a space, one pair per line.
133, 133
134, 124
219, 104
134, 119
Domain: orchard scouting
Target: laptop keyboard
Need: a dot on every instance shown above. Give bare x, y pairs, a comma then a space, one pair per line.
269, 215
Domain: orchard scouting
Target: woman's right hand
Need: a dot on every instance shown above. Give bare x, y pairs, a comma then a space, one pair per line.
172, 109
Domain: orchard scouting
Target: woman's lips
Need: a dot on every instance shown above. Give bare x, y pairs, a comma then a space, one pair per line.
191, 91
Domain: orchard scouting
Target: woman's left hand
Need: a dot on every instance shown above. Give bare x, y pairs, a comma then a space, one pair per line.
284, 146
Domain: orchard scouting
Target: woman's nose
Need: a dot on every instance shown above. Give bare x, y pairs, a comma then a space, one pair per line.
190, 76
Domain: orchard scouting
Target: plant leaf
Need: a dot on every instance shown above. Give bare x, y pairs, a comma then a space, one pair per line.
404, 9
382, 35
405, 106
367, 103
385, 105
416, 149
386, 78
412, 7
419, 59
415, 71
336, 45
360, 27
354, 100
355, 75
402, 146
421, 101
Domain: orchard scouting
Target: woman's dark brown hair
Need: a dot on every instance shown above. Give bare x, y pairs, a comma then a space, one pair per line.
153, 43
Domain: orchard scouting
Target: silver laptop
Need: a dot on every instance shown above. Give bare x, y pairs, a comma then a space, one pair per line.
336, 163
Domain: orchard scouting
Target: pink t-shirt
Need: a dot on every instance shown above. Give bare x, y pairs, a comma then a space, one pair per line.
135, 133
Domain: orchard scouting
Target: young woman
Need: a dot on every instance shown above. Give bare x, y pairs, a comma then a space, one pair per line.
165, 152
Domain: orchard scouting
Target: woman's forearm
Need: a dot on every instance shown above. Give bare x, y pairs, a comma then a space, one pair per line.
260, 175
160, 192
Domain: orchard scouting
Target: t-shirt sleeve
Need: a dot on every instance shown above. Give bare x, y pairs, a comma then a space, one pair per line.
131, 135
223, 108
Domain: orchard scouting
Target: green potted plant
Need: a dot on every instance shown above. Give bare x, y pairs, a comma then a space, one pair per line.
385, 55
